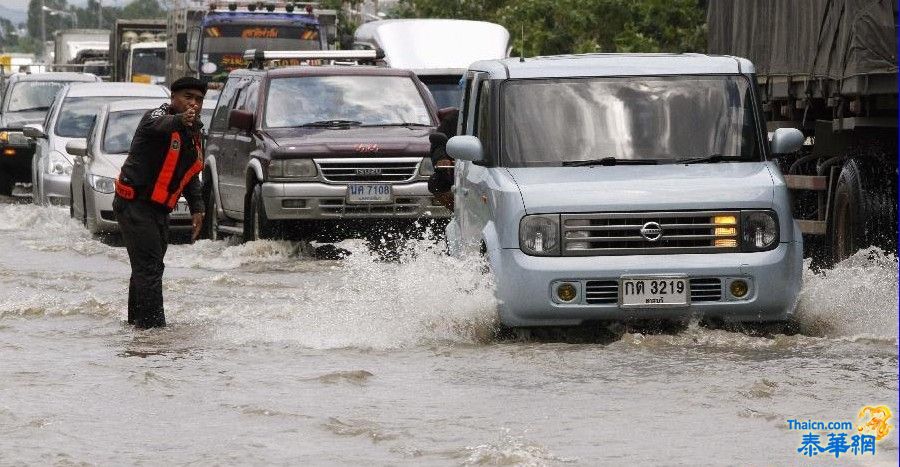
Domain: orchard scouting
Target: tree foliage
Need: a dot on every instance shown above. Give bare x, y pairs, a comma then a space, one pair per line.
547, 27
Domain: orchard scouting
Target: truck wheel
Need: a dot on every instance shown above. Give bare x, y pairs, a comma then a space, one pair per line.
861, 216
257, 225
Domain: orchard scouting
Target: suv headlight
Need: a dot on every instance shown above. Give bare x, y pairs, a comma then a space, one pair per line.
102, 184
426, 168
59, 165
539, 235
759, 230
292, 168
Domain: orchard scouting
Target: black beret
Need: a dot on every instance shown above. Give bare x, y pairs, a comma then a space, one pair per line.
188, 82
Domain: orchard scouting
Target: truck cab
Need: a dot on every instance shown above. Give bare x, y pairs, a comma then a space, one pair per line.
617, 186
438, 50
319, 151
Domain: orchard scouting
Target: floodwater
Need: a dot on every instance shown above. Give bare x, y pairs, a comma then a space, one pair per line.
273, 357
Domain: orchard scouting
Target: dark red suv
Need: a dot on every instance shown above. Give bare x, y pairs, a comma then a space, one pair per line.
302, 150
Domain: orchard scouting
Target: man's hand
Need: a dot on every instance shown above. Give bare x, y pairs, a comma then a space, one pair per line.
196, 224
189, 117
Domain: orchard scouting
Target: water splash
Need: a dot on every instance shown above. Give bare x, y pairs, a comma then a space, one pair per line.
856, 298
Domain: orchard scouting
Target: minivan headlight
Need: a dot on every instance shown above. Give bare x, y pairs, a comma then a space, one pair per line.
759, 230
102, 184
426, 168
292, 168
539, 235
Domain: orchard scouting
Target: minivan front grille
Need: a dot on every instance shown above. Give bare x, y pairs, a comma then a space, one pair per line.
706, 289
650, 233
601, 292
381, 170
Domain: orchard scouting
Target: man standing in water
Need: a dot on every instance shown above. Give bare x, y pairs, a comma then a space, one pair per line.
165, 159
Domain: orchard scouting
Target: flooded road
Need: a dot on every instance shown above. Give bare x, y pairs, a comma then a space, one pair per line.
272, 357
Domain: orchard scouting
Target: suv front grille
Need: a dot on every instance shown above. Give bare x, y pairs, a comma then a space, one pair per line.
620, 233
382, 170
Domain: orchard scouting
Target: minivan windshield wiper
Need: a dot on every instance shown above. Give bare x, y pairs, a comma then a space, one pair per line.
713, 158
400, 124
609, 161
330, 123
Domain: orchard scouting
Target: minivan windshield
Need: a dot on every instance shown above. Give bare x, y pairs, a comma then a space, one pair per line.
367, 100
32, 95
664, 119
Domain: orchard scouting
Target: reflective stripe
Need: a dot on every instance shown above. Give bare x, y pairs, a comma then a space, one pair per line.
124, 191
196, 167
161, 189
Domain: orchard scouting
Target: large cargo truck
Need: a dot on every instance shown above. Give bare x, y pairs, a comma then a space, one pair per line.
137, 51
828, 68
74, 49
208, 39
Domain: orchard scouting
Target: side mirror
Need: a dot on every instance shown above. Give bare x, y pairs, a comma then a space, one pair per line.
465, 148
240, 119
181, 42
77, 147
34, 130
446, 112
786, 141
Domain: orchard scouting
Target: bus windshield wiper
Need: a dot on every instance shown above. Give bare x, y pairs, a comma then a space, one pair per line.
329, 123
609, 161
700, 160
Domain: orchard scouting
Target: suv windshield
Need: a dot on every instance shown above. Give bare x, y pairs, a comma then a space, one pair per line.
120, 128
664, 119
32, 95
369, 100
77, 115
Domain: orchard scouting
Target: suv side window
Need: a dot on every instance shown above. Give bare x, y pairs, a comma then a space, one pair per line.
220, 118
251, 97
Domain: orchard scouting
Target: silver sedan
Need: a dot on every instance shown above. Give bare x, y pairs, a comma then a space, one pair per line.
97, 164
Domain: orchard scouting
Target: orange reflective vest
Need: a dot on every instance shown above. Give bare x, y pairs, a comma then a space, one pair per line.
166, 191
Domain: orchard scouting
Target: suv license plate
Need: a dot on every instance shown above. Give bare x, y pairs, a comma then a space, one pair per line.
656, 292
368, 193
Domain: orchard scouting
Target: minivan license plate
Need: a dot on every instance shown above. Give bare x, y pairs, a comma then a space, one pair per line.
657, 292
358, 193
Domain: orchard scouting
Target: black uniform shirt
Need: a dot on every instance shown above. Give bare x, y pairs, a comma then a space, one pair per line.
149, 148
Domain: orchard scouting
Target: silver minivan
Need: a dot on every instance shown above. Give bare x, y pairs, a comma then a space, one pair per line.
615, 186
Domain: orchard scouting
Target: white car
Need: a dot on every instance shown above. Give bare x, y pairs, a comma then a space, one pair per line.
70, 118
98, 162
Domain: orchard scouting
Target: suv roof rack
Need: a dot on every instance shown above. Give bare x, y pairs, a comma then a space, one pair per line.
258, 58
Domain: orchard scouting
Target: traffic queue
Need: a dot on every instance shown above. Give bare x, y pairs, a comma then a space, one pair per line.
596, 187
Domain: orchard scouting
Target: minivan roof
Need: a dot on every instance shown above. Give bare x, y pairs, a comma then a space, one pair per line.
54, 76
563, 66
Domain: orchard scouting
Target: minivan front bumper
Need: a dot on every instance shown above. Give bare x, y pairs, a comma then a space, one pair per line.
525, 283
320, 201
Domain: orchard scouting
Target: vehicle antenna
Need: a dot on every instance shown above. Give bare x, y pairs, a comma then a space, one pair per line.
522, 39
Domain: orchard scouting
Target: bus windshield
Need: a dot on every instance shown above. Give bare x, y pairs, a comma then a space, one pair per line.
223, 45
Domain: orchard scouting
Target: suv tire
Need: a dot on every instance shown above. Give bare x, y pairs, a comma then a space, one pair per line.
257, 225
210, 229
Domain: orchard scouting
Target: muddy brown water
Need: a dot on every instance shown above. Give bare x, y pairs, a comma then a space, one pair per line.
275, 358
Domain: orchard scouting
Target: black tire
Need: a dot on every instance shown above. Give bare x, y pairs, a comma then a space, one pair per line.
210, 229
257, 225
6, 182
863, 214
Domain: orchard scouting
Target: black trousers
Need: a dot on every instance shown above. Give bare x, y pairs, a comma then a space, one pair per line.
145, 231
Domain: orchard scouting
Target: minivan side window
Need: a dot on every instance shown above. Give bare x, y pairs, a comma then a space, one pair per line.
483, 119
465, 107
220, 118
